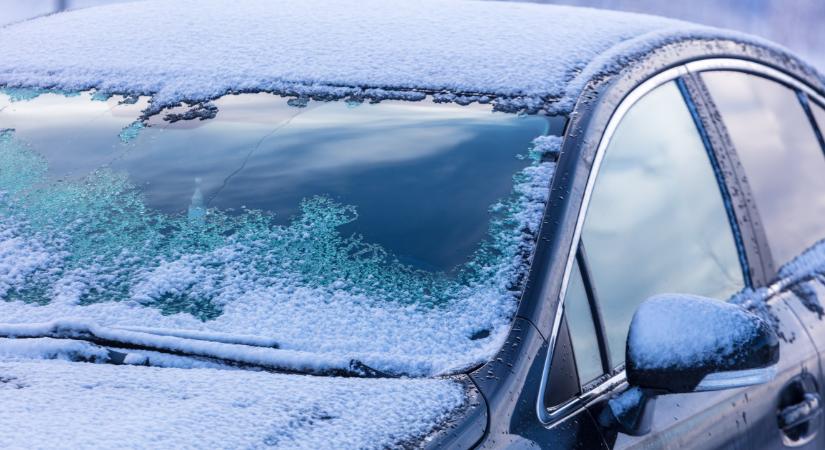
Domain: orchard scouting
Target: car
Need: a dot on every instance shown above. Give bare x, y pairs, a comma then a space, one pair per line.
438, 224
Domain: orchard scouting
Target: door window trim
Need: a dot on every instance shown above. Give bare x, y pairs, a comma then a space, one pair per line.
618, 381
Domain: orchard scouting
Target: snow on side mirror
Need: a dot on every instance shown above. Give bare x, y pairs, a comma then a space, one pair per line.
685, 343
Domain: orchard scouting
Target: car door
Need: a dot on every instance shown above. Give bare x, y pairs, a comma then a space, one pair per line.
658, 221
775, 129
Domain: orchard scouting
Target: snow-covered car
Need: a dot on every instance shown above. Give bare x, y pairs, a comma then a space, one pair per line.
442, 224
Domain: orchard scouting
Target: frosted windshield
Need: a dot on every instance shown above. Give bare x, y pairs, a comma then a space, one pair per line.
258, 209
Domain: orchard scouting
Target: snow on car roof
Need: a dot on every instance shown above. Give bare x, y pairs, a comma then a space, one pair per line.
197, 50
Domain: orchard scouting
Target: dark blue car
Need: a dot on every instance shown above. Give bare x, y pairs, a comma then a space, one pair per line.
362, 224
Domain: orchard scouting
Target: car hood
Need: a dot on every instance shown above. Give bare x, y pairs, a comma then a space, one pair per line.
64, 404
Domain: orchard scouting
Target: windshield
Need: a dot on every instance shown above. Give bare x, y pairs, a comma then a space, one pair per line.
394, 229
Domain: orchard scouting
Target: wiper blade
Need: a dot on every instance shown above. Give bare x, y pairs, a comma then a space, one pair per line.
234, 354
226, 338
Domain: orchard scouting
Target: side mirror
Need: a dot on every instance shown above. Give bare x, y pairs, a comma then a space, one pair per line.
684, 343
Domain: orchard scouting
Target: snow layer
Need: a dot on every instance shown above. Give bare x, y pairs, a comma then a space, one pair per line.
796, 276
91, 250
57, 404
196, 50
709, 331
48, 348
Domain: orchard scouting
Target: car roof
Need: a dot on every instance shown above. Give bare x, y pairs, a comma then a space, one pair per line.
523, 56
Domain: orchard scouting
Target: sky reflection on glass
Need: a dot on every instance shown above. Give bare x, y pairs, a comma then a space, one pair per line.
422, 175
781, 157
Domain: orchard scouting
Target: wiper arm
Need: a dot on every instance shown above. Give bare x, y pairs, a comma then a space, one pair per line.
194, 343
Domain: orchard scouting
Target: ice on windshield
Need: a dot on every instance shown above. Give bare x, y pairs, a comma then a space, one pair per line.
398, 234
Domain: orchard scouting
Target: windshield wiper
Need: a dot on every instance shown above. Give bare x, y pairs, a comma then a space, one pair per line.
237, 351
226, 338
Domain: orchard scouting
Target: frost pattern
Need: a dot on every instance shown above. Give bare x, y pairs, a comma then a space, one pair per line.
24, 94
130, 132
75, 246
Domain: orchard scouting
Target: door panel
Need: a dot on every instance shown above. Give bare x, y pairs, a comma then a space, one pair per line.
797, 357
702, 420
814, 326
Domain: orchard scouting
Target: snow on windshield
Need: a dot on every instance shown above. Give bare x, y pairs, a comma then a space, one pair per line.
91, 247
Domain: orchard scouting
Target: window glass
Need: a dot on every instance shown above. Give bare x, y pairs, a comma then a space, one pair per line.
582, 328
656, 221
780, 154
439, 166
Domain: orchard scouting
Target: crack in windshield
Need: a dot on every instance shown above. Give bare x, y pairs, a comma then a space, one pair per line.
249, 154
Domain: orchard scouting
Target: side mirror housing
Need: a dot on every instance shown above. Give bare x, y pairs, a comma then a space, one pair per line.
685, 343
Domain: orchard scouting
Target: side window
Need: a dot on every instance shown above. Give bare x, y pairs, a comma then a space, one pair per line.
780, 155
657, 222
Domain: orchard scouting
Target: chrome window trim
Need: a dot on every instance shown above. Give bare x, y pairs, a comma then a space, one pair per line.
617, 381
549, 416
718, 381
741, 65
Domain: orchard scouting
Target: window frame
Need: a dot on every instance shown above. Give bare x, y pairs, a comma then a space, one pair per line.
743, 214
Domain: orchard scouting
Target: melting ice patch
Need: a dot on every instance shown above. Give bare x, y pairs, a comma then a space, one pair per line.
92, 249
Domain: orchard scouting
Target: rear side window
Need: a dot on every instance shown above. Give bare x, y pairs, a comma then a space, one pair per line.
780, 154
657, 222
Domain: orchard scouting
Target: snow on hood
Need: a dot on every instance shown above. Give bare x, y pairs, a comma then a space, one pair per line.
59, 404
198, 50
